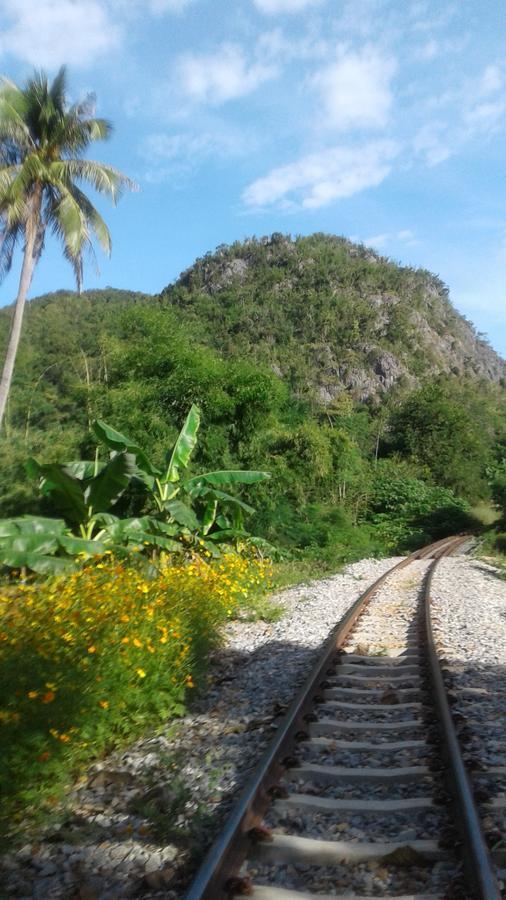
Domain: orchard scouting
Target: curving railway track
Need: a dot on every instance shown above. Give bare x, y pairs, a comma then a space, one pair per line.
368, 789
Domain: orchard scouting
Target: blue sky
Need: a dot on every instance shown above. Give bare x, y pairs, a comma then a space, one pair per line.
382, 120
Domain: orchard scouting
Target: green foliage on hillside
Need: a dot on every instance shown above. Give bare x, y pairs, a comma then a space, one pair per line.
315, 360
328, 315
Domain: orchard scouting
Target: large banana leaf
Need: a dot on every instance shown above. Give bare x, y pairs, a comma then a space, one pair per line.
209, 516
32, 543
103, 518
43, 565
184, 446
206, 493
226, 534
142, 530
182, 514
120, 443
226, 477
107, 487
83, 469
156, 540
31, 525
65, 491
74, 545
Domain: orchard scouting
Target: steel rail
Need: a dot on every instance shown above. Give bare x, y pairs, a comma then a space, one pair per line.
229, 850
477, 860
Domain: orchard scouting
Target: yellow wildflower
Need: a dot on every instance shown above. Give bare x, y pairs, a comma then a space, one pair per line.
49, 697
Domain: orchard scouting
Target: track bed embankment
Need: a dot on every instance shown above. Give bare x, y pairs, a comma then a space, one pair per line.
139, 824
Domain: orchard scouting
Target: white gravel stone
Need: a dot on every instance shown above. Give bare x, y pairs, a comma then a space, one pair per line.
469, 601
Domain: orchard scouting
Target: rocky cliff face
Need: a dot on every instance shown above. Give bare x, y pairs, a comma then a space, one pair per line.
331, 315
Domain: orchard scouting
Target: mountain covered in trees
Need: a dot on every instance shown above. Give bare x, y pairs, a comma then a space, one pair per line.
330, 315
376, 407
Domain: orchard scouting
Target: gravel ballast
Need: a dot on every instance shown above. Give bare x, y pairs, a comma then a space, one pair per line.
140, 822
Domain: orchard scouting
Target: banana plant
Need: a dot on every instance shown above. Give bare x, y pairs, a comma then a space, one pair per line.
174, 496
83, 490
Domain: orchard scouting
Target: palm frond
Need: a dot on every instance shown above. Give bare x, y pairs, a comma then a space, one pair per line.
58, 90
69, 223
94, 219
105, 179
7, 176
85, 107
8, 240
99, 129
15, 201
13, 124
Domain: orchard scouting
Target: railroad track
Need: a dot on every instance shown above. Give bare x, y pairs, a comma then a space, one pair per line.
364, 791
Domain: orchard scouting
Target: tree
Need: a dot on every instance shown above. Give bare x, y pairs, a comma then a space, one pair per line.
42, 138
438, 434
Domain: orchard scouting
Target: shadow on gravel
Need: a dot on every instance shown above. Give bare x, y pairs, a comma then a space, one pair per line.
202, 764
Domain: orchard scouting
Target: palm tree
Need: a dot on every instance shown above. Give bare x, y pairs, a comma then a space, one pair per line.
42, 138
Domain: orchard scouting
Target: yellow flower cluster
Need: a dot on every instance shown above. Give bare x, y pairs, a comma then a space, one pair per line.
93, 657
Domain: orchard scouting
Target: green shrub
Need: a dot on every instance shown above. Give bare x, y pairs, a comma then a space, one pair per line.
500, 542
408, 512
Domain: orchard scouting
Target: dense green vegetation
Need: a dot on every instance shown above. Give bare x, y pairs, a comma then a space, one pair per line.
280, 344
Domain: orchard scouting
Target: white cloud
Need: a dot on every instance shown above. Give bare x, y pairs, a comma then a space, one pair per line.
223, 75
472, 111
272, 7
136, 8
485, 117
432, 142
177, 155
48, 32
318, 179
355, 90
491, 80
404, 236
160, 6
429, 50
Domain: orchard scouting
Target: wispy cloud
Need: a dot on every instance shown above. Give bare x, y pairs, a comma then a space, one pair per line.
404, 236
158, 7
492, 79
48, 32
474, 109
355, 90
176, 156
434, 142
135, 8
319, 178
274, 7
225, 74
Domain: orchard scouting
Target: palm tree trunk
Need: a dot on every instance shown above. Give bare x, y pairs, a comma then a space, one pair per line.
29, 261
